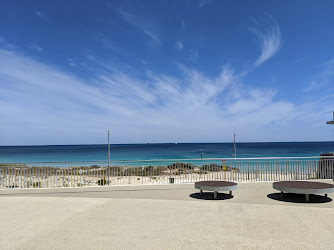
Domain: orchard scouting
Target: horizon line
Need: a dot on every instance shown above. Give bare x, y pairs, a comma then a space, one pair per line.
145, 143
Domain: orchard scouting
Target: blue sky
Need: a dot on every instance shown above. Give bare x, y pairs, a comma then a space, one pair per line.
165, 71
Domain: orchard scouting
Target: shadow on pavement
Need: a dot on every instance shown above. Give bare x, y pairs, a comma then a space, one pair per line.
209, 196
298, 198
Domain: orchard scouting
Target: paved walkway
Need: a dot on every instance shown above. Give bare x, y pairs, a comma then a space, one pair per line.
163, 217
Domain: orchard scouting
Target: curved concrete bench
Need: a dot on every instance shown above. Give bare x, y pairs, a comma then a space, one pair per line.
216, 186
304, 187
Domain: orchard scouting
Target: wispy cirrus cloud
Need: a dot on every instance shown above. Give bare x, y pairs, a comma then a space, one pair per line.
268, 35
312, 85
193, 55
183, 24
133, 21
35, 47
40, 14
324, 78
189, 108
179, 45
202, 3
71, 62
5, 44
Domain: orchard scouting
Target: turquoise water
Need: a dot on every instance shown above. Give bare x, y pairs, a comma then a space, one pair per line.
130, 152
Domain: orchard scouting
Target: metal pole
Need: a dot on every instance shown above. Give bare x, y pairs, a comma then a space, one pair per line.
331, 122
235, 153
108, 160
235, 148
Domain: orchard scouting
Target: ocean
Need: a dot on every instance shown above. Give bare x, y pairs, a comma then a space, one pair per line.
132, 152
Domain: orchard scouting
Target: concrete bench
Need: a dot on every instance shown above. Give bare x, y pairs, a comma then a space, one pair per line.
216, 186
304, 187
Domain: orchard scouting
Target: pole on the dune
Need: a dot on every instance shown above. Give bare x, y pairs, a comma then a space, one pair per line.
108, 160
235, 148
235, 153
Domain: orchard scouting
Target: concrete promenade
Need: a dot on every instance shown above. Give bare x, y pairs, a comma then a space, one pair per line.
170, 216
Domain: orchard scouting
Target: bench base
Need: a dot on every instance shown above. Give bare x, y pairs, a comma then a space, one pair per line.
215, 194
307, 196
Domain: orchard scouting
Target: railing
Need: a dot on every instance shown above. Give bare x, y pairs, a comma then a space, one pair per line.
84, 174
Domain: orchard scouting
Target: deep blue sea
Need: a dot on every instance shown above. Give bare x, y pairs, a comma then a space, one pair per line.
120, 152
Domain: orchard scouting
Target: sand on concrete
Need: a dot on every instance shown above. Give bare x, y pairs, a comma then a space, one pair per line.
163, 217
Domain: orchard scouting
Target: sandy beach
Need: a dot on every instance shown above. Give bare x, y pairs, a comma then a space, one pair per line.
63, 181
78, 176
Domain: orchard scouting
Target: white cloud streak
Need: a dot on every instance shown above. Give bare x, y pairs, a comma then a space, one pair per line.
311, 86
59, 108
133, 21
269, 38
193, 55
183, 24
324, 79
40, 14
35, 47
179, 45
202, 3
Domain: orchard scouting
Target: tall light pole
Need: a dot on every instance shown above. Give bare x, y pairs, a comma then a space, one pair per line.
235, 148
331, 159
108, 159
235, 152
331, 122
